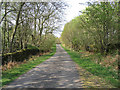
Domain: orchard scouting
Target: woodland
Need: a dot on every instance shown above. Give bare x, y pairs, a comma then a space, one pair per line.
95, 36
28, 25
27, 29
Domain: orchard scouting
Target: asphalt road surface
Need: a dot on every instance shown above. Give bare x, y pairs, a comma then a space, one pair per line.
59, 71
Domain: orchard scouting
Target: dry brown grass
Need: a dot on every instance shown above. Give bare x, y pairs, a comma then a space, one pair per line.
107, 61
11, 64
110, 61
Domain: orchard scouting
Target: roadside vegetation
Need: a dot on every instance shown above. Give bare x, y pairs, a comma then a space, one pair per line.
29, 23
20, 68
26, 25
106, 73
27, 35
94, 38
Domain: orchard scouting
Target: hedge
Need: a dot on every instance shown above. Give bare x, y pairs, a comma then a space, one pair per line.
19, 56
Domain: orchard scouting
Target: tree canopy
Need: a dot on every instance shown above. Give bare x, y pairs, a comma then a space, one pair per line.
95, 30
24, 23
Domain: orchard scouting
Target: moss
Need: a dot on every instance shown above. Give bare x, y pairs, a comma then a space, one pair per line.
18, 56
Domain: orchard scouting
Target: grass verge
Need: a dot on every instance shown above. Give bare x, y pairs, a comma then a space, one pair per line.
12, 74
109, 76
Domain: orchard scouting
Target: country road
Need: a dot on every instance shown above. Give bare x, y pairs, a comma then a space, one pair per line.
59, 71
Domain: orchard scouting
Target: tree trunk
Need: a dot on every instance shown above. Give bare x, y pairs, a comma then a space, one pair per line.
4, 44
8, 37
17, 20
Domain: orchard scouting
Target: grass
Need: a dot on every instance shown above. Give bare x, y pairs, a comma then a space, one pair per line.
91, 81
12, 74
31, 47
96, 69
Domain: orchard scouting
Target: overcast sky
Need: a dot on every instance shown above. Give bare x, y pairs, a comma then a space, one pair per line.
72, 11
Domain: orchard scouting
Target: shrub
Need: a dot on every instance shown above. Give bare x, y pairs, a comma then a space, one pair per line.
19, 56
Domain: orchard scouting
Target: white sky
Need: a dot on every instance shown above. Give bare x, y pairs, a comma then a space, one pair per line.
74, 8
72, 11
